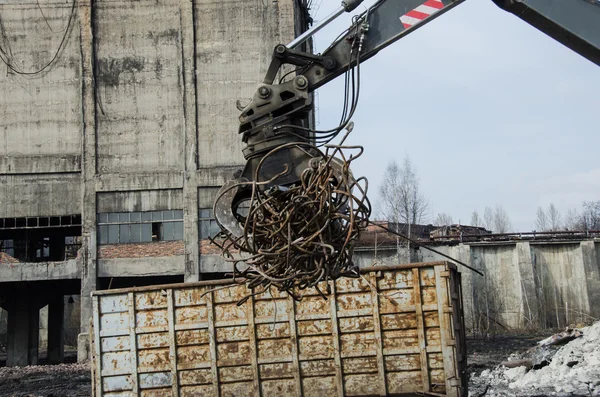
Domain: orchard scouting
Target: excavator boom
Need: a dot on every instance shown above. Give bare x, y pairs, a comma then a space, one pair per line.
277, 118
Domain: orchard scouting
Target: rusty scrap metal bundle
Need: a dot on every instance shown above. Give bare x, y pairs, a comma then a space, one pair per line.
296, 236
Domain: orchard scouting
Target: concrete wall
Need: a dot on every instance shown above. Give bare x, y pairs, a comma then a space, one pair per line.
526, 285
137, 113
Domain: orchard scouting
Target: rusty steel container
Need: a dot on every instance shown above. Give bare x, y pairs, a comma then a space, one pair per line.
396, 330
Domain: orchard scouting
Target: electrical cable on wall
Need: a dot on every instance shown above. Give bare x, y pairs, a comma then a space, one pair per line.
6, 53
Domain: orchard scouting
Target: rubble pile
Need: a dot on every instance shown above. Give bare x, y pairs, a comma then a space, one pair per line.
572, 369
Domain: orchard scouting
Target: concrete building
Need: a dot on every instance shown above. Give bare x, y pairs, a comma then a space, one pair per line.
118, 123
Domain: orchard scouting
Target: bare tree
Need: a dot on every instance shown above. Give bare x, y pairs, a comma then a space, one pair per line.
541, 221
488, 218
572, 220
590, 218
443, 219
502, 222
401, 199
476, 220
553, 218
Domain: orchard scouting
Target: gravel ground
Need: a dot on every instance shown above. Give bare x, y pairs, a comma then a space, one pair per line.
64, 380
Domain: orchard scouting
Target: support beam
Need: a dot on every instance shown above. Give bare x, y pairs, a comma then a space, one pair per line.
89, 277
56, 330
23, 331
530, 317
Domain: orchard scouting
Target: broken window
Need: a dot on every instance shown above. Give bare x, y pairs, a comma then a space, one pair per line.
208, 227
140, 227
41, 238
8, 247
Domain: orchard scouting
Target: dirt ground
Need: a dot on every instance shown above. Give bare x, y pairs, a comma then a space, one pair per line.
73, 380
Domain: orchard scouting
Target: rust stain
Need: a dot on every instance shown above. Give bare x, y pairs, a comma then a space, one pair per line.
354, 301
235, 353
195, 377
314, 327
319, 386
317, 368
361, 385
316, 346
231, 334
236, 374
156, 359
275, 348
283, 387
400, 339
403, 382
275, 371
312, 305
391, 322
270, 331
359, 365
404, 362
193, 354
354, 324
362, 342
192, 337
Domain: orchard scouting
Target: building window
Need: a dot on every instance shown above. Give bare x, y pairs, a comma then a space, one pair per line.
208, 227
140, 227
8, 247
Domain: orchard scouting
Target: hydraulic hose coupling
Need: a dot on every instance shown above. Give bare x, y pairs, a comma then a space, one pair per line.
350, 5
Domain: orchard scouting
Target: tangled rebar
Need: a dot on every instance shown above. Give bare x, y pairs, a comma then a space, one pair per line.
297, 236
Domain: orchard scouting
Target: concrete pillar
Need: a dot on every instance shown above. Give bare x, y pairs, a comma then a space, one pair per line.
529, 303
88, 196
463, 253
23, 331
56, 330
190, 181
591, 265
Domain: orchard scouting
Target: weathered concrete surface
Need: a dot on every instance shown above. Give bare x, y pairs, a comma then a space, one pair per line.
24, 271
230, 67
40, 114
563, 281
137, 267
39, 195
526, 284
139, 86
143, 200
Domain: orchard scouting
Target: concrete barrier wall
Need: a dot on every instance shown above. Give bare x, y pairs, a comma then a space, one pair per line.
526, 284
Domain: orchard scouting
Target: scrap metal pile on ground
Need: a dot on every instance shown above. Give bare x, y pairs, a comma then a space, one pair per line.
572, 369
297, 236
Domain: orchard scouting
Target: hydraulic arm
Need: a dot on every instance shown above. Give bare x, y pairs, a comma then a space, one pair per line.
277, 116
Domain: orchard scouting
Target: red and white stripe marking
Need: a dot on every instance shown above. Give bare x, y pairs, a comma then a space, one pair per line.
420, 13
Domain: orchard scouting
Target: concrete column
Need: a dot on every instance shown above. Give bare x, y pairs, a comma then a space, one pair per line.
190, 183
463, 253
530, 303
591, 265
56, 330
23, 331
88, 196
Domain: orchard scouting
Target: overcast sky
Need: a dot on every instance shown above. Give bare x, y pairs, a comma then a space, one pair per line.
490, 110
